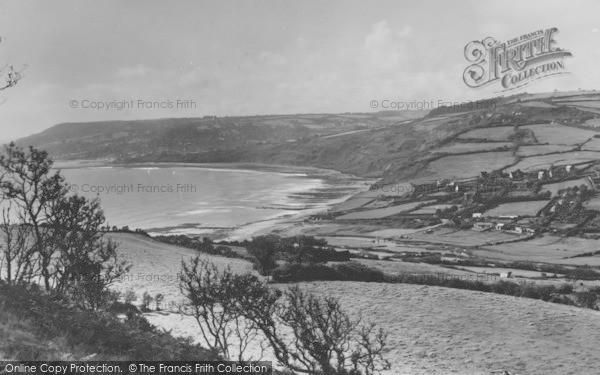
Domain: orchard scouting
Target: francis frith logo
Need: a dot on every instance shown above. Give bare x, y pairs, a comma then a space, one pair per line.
516, 62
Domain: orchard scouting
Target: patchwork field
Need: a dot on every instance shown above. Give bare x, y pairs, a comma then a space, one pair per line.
537, 104
541, 149
593, 123
554, 188
461, 147
548, 249
557, 134
592, 261
462, 238
382, 212
461, 166
431, 209
546, 161
441, 331
592, 145
499, 133
593, 204
517, 208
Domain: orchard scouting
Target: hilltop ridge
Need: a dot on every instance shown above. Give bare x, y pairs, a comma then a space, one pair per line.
389, 144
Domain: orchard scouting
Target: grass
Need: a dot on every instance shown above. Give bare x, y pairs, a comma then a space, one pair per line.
547, 249
559, 134
461, 147
36, 327
542, 149
530, 208
501, 133
554, 188
546, 161
469, 165
441, 331
383, 212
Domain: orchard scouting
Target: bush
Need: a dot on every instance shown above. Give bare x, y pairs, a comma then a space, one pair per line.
146, 301
50, 320
294, 272
350, 271
356, 271
587, 299
565, 289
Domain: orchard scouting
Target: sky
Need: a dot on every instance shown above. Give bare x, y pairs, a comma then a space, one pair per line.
232, 58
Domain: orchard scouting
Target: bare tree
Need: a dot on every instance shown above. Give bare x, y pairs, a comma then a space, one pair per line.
63, 245
85, 263
9, 76
214, 299
264, 249
306, 333
16, 257
30, 186
314, 335
158, 299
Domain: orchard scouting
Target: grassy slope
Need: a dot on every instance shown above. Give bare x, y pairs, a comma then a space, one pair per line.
35, 327
433, 330
441, 331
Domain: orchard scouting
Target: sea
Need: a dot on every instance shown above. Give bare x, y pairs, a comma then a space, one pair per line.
227, 203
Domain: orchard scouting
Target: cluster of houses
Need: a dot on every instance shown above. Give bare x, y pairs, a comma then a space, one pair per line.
544, 174
505, 224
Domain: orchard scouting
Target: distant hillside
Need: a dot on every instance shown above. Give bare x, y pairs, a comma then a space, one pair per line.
392, 144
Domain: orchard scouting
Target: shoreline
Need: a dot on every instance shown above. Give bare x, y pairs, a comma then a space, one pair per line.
335, 188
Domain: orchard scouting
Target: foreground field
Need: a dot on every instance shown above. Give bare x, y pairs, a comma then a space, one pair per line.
433, 330
440, 331
156, 265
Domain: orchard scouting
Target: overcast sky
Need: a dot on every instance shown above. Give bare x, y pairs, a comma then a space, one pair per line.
265, 57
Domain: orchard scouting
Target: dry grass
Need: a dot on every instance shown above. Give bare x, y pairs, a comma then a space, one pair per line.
441, 331
462, 237
554, 188
530, 208
548, 249
500, 133
461, 147
541, 149
559, 134
468, 165
592, 145
546, 161
433, 330
156, 265
382, 212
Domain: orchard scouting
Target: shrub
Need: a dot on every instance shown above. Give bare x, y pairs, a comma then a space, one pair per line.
129, 296
565, 288
146, 301
351, 271
356, 271
295, 272
49, 319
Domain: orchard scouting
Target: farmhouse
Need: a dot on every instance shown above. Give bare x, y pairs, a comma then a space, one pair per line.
483, 225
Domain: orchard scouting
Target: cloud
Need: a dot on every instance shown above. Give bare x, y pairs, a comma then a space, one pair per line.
129, 72
385, 48
271, 58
